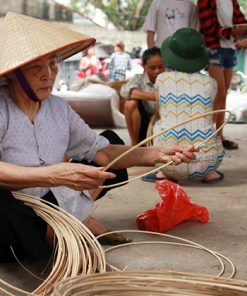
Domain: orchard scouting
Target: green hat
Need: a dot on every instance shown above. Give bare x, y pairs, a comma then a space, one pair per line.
185, 51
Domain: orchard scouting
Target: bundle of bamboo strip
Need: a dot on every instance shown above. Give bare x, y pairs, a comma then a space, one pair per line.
150, 283
224, 262
77, 252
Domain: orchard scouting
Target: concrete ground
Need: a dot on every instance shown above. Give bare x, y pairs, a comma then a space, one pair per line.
225, 233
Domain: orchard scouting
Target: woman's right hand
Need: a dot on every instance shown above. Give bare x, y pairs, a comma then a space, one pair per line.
77, 176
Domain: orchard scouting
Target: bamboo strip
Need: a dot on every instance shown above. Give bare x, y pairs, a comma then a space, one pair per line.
185, 243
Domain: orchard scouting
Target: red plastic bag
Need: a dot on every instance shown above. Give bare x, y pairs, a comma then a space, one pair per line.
174, 208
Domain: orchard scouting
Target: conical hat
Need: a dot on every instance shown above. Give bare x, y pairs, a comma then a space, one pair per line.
24, 39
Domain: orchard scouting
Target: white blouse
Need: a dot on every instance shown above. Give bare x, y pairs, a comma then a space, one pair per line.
225, 15
57, 131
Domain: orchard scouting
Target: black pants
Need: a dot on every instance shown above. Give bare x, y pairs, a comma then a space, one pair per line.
121, 175
23, 230
145, 119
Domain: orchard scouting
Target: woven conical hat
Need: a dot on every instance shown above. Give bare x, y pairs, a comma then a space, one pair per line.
24, 39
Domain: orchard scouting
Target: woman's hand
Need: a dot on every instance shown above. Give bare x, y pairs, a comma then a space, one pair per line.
241, 43
153, 96
239, 30
145, 156
175, 153
77, 176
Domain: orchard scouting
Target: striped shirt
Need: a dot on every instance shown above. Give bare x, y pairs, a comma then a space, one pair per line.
143, 83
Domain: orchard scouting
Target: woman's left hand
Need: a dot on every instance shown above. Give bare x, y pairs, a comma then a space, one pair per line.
241, 43
175, 153
239, 30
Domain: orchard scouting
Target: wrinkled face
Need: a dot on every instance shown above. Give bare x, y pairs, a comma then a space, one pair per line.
41, 75
153, 67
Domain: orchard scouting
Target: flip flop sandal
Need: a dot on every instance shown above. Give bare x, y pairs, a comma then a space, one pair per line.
229, 145
114, 239
214, 181
152, 177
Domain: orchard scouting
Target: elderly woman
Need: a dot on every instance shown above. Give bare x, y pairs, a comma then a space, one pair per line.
38, 129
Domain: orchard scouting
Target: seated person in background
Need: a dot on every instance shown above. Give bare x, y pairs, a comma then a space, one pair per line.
140, 96
184, 93
37, 130
90, 64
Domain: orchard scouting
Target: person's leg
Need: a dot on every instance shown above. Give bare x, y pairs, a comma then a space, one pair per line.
220, 100
222, 71
95, 226
228, 73
213, 177
145, 120
228, 144
230, 60
98, 228
133, 120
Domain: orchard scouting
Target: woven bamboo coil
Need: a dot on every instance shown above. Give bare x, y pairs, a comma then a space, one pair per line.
77, 250
150, 283
168, 239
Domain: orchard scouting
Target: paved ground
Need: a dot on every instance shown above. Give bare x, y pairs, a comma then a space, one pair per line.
225, 232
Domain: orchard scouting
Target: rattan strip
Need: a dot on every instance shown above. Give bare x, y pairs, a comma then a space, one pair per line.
184, 242
78, 251
148, 139
150, 283
165, 243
